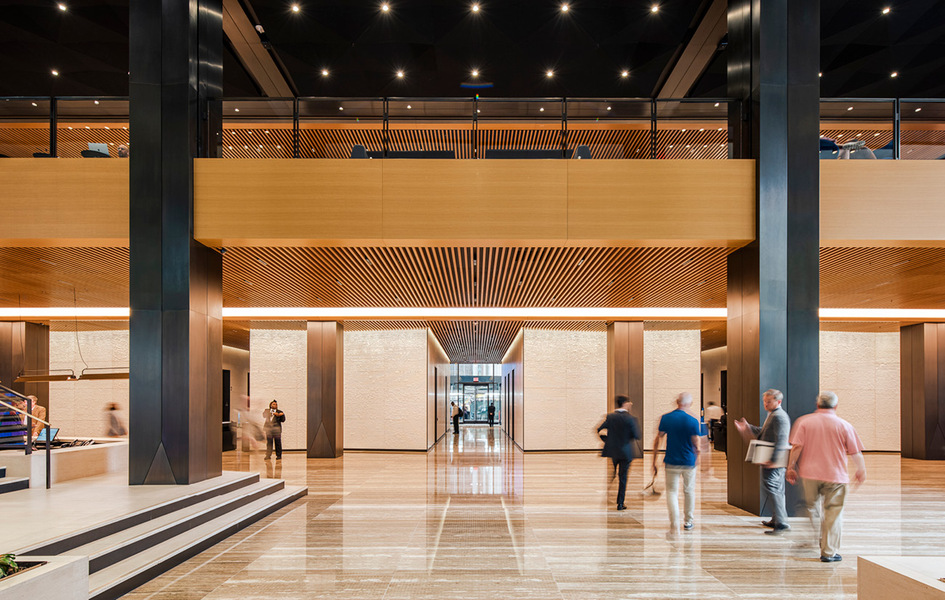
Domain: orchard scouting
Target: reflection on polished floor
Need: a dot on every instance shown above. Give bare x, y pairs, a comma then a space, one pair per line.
477, 518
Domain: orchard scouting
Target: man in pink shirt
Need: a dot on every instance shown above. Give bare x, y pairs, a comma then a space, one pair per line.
821, 443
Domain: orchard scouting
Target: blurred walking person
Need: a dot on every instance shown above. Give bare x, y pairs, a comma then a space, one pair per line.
623, 433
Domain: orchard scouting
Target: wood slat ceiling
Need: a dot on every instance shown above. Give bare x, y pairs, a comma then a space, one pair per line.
503, 277
606, 140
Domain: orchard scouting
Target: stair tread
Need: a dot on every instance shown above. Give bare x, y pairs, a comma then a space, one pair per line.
102, 545
118, 572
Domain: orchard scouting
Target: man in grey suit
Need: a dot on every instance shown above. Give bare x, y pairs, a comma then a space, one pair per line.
776, 429
622, 432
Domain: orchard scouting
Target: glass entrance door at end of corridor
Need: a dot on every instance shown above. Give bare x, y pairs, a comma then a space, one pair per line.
476, 401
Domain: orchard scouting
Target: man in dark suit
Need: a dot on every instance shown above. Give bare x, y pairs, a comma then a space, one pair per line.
491, 412
622, 432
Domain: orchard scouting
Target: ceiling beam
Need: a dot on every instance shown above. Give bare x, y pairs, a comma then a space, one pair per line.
696, 55
251, 52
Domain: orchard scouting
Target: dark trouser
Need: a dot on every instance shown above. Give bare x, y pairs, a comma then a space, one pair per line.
491, 420
772, 482
622, 466
456, 424
274, 439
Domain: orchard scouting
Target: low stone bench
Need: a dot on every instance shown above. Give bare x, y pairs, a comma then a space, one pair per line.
912, 577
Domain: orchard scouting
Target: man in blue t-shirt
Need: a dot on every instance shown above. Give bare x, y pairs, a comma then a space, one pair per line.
682, 433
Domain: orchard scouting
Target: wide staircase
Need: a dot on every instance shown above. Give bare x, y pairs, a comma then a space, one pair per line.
129, 550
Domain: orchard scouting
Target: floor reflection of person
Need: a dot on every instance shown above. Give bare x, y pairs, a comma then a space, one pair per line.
115, 428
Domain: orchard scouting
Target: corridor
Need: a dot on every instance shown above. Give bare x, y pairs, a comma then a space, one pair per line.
477, 518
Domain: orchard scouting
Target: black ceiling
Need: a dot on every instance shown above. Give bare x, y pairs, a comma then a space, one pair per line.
438, 42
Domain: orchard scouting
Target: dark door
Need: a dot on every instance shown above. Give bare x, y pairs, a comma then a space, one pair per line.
723, 391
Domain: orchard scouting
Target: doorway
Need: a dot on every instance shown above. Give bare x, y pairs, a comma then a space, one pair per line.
476, 398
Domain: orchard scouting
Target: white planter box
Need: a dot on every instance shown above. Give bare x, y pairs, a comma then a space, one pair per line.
913, 577
62, 578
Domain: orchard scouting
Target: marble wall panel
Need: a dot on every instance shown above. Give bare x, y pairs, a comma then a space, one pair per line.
671, 364
863, 369
565, 388
278, 363
77, 408
385, 389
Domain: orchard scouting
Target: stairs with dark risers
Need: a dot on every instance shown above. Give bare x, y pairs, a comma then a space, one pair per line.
132, 549
12, 484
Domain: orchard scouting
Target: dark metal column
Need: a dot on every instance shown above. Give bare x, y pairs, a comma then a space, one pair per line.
773, 289
325, 430
176, 283
625, 365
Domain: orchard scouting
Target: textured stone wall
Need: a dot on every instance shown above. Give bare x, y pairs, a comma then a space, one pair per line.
385, 389
77, 408
278, 367
863, 370
671, 364
565, 388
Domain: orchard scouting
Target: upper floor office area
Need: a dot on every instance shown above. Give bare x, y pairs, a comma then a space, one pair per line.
474, 128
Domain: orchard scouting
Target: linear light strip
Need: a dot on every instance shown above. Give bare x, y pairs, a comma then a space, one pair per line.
462, 313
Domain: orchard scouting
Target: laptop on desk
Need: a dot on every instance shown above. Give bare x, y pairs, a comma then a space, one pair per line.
41, 438
103, 148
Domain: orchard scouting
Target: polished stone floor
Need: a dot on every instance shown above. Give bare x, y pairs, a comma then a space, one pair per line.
477, 518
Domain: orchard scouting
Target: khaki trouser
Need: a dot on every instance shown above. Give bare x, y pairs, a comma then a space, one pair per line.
830, 516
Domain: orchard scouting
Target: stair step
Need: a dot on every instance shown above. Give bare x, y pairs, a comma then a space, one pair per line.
66, 543
109, 550
123, 576
3, 472
13, 484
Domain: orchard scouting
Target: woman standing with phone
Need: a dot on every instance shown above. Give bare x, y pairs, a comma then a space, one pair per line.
273, 419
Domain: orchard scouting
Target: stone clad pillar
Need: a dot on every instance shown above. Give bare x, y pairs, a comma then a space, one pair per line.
922, 381
625, 365
325, 437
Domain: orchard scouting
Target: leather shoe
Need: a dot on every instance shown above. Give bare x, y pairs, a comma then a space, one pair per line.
767, 524
778, 529
834, 558
621, 507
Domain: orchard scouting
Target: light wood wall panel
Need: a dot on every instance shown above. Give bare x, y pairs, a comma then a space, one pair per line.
287, 202
64, 202
882, 203
661, 202
431, 201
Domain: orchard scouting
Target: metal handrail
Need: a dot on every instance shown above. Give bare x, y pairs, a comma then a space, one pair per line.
29, 432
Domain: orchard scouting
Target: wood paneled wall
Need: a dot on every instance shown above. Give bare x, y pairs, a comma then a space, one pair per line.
625, 366
64, 202
883, 202
492, 202
922, 374
325, 390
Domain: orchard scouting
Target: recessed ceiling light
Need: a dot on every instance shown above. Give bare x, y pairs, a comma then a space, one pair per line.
236, 109
409, 107
475, 73
702, 130
55, 73
549, 73
655, 8
820, 74
684, 131
625, 74
296, 8
917, 110
341, 108
107, 127
849, 108
475, 8
886, 10
385, 7
324, 72
564, 8
894, 74
875, 134
96, 102
70, 128
400, 74
541, 109
608, 108
267, 131
87, 127
720, 129
34, 104
62, 7
717, 104
859, 134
